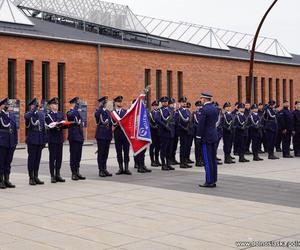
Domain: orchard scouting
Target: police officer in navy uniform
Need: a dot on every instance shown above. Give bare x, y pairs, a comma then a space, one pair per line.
208, 135
198, 149
166, 124
121, 143
261, 115
35, 139
227, 124
54, 122
286, 129
278, 111
155, 145
296, 133
75, 137
255, 132
182, 118
219, 129
190, 133
241, 132
235, 143
8, 143
172, 160
270, 129
103, 135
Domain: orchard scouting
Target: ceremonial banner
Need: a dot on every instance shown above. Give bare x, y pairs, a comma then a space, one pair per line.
135, 125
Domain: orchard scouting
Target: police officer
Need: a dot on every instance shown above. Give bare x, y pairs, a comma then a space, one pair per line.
296, 134
166, 124
247, 114
241, 132
270, 129
103, 136
54, 122
75, 137
155, 145
182, 118
261, 115
173, 108
227, 124
235, 143
190, 133
8, 143
121, 143
255, 132
35, 139
278, 111
208, 136
219, 129
286, 129
198, 149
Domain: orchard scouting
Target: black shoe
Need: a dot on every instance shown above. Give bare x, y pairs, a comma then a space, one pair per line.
256, 158
164, 168
158, 163
199, 164
243, 159
53, 179
80, 177
218, 159
205, 185
121, 170
248, 153
273, 157
108, 174
146, 169
141, 170
126, 171
38, 181
174, 162
154, 164
60, 179
261, 151
74, 177
7, 183
2, 184
182, 165
288, 156
189, 161
279, 150
232, 158
135, 165
32, 182
102, 174
220, 163
171, 168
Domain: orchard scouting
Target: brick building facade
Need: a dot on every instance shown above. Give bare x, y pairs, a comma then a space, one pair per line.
44, 66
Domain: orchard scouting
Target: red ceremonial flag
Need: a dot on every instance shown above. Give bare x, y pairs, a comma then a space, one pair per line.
135, 125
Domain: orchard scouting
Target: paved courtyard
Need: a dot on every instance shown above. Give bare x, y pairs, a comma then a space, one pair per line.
255, 202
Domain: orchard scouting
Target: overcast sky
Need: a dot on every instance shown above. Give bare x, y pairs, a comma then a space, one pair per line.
283, 22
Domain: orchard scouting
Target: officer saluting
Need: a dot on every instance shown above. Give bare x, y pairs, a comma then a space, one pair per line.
54, 122
255, 132
8, 143
182, 119
103, 135
155, 145
121, 142
75, 137
35, 139
208, 135
166, 124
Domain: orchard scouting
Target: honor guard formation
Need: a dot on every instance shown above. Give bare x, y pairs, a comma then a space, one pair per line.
245, 129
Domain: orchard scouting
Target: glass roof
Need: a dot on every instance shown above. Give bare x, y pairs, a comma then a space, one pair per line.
93, 11
12, 14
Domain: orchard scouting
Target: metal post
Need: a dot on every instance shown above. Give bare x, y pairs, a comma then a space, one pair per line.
250, 96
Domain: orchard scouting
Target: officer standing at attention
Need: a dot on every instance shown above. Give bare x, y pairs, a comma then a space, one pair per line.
103, 135
234, 113
198, 150
208, 136
241, 132
270, 128
121, 142
261, 115
286, 129
166, 124
173, 108
8, 143
255, 132
54, 122
247, 114
182, 118
296, 134
227, 124
278, 111
75, 137
190, 133
155, 145
35, 139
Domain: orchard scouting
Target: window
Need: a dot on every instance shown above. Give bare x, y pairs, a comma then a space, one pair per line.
263, 90
271, 96
169, 84
255, 90
28, 81
292, 93
158, 84
278, 91
239, 88
45, 80
147, 83
11, 77
180, 84
284, 90
61, 82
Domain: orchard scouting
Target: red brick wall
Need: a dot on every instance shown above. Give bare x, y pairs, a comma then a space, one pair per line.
122, 73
